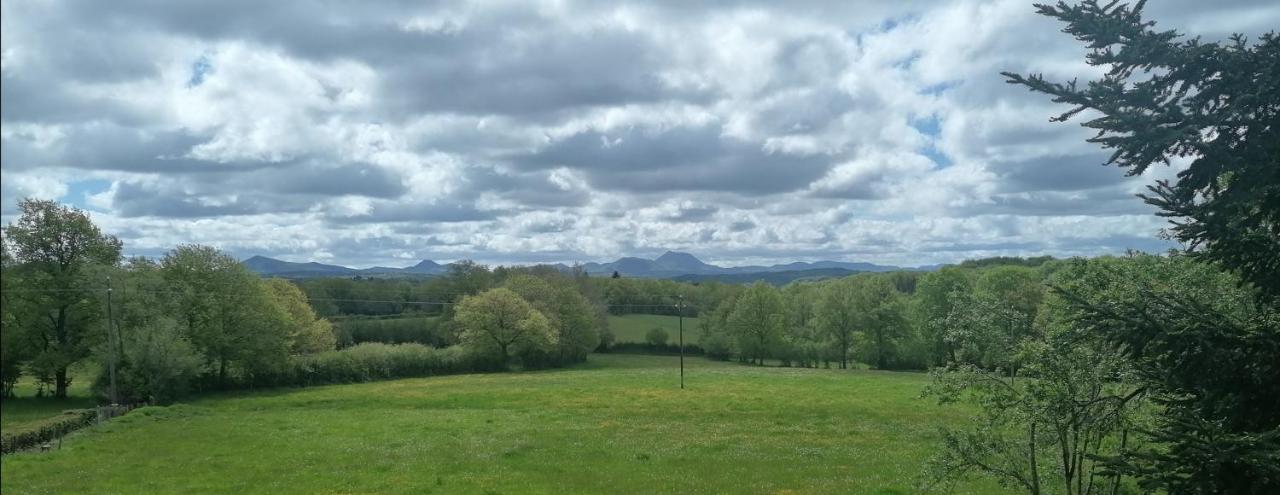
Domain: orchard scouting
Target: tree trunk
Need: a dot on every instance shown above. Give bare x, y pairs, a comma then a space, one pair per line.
1035, 472
60, 383
63, 340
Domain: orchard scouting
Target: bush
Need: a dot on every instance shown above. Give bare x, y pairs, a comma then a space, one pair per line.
657, 337
158, 365
374, 361
425, 330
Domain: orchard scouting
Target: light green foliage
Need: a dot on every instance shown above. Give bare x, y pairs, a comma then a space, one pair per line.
569, 314
498, 322
757, 321
227, 313
307, 334
56, 250
803, 344
617, 424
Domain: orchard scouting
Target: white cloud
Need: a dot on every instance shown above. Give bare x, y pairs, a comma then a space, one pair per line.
563, 131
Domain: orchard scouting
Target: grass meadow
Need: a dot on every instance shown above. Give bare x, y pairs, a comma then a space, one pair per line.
618, 424
633, 327
26, 411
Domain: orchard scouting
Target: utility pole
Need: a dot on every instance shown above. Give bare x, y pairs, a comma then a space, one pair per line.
680, 317
111, 342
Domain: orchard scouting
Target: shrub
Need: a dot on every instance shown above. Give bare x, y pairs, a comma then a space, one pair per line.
158, 365
657, 337
425, 330
375, 361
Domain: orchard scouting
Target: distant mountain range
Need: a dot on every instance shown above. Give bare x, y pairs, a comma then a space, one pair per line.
674, 265
287, 269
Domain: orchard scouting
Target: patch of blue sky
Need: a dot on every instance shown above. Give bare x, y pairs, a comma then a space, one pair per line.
939, 88
932, 128
199, 69
78, 192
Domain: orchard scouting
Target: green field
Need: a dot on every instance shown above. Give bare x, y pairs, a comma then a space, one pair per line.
632, 328
618, 424
25, 410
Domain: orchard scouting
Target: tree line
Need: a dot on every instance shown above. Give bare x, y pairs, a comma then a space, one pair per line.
197, 319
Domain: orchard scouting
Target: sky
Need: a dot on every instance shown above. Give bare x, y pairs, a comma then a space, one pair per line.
744, 132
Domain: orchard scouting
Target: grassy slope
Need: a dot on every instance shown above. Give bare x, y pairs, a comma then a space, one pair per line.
615, 425
632, 328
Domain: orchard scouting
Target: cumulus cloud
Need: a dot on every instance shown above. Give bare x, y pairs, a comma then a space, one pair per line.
743, 131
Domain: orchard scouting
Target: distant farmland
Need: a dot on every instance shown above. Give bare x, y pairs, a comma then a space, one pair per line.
632, 328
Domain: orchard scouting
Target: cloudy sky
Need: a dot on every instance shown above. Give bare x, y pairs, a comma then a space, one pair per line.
744, 132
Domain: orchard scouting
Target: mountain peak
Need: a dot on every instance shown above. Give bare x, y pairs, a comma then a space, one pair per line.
676, 261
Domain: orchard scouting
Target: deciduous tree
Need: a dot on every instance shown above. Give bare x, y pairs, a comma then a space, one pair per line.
55, 249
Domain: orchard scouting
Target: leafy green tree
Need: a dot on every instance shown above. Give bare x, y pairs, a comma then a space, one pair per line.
802, 337
657, 337
934, 294
1045, 433
1164, 96
13, 347
717, 339
55, 250
158, 364
757, 320
839, 317
498, 322
467, 277
989, 326
227, 313
570, 315
881, 317
307, 333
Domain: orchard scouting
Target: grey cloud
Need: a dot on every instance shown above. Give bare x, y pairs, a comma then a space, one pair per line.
687, 158
136, 200
445, 211
1057, 173
331, 180
535, 189
693, 214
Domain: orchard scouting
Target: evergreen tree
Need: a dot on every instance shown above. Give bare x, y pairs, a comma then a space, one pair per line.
1164, 97
1214, 367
